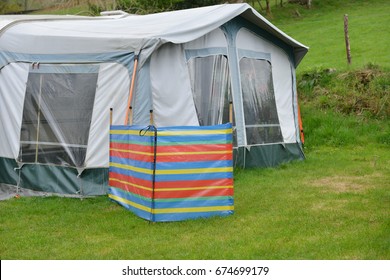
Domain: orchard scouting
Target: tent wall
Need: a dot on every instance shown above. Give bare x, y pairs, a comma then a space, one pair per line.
58, 172
174, 100
171, 79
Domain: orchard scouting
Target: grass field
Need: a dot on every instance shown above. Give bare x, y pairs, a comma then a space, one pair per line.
333, 205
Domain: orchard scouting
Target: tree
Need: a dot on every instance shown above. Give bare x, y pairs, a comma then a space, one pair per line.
307, 3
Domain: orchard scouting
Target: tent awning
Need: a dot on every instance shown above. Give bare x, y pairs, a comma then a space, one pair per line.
131, 33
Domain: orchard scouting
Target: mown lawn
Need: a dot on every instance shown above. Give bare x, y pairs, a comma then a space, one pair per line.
333, 205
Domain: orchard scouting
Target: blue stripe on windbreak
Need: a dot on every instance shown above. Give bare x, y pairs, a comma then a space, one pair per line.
140, 213
128, 127
130, 196
131, 138
189, 203
132, 162
148, 177
171, 217
192, 165
223, 138
210, 127
193, 177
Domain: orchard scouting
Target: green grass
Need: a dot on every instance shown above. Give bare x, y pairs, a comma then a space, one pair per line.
333, 205
322, 29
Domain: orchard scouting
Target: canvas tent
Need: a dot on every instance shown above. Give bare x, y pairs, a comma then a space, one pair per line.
60, 75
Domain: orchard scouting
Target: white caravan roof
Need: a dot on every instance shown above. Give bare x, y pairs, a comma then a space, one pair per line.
76, 34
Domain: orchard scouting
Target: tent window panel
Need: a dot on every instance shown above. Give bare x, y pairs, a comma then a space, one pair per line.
261, 117
210, 83
57, 117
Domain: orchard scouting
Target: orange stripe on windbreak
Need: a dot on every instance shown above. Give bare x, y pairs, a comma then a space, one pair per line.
138, 157
194, 193
191, 158
131, 147
173, 184
195, 148
194, 183
129, 188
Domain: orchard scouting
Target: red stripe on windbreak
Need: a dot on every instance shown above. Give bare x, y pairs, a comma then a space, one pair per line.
173, 184
172, 158
173, 148
191, 158
132, 156
132, 180
194, 193
127, 188
194, 148
194, 184
131, 147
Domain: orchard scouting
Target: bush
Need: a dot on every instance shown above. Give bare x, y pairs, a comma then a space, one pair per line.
363, 92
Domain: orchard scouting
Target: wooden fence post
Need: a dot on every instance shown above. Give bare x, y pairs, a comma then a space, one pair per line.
347, 45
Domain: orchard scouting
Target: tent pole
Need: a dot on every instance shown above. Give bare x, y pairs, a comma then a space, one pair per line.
302, 135
131, 89
39, 116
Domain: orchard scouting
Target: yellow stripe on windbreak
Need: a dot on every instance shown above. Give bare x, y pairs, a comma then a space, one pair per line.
173, 153
171, 210
193, 189
132, 168
171, 189
131, 184
193, 132
131, 203
192, 209
173, 132
195, 153
132, 132
131, 152
171, 171
192, 171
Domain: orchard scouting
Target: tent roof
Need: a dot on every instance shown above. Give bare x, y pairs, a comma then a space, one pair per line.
130, 32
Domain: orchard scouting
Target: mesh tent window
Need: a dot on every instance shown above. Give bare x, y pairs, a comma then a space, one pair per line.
57, 114
261, 116
210, 83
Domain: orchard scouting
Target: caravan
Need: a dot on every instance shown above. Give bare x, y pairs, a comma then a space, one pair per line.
60, 75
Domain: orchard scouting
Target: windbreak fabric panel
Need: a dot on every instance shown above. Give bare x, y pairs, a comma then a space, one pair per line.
57, 117
172, 173
261, 117
210, 83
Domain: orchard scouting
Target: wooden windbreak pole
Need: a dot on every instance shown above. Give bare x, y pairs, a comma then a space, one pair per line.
131, 89
231, 112
130, 115
347, 45
151, 117
110, 116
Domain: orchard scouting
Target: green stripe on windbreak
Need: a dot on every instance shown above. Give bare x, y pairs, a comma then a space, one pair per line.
192, 198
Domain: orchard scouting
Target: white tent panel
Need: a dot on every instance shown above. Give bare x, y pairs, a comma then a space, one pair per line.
173, 103
13, 80
214, 39
112, 90
282, 79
